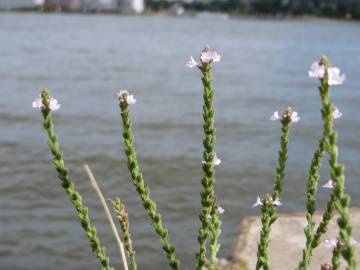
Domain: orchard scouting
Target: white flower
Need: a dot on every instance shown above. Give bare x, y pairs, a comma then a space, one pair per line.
317, 71
37, 103
217, 161
276, 116
336, 113
191, 63
220, 209
329, 184
210, 57
277, 202
257, 203
334, 76
295, 117
331, 243
129, 98
53, 104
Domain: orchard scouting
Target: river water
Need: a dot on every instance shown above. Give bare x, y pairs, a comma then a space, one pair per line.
84, 60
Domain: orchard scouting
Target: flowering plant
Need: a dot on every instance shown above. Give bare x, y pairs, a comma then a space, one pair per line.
210, 223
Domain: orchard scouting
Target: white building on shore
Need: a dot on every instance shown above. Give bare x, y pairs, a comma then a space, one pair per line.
126, 6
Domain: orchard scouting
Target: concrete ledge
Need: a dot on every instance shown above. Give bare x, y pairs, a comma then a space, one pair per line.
286, 242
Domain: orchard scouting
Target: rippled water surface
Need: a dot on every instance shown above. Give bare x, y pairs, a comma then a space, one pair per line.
84, 60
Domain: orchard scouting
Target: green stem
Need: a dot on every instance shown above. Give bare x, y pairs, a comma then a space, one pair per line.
263, 259
143, 190
209, 216
269, 209
280, 170
69, 186
312, 238
123, 219
336, 254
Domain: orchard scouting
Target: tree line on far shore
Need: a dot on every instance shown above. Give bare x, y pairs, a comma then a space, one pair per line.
349, 9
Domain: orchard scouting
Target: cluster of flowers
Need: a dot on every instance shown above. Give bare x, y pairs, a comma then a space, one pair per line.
317, 70
53, 104
206, 57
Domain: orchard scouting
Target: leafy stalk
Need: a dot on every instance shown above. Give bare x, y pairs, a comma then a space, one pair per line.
338, 199
141, 188
312, 187
337, 174
336, 257
209, 216
313, 238
68, 185
268, 208
123, 219
263, 259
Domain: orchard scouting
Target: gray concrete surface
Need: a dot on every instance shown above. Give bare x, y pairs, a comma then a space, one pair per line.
287, 242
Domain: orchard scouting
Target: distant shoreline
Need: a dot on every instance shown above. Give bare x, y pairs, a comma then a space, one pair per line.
167, 13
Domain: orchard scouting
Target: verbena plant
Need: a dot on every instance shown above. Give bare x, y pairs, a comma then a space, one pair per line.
210, 223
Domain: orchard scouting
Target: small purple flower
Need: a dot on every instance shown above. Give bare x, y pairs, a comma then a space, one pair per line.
336, 113
217, 161
331, 243
191, 63
220, 209
276, 116
317, 71
333, 73
277, 202
335, 78
295, 117
257, 203
209, 56
53, 104
329, 184
125, 97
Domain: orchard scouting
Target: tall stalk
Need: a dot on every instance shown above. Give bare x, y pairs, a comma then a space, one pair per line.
66, 182
209, 216
270, 202
338, 200
144, 192
123, 219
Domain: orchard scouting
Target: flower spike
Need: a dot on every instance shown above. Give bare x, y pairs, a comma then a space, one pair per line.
125, 97
288, 116
53, 104
208, 56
